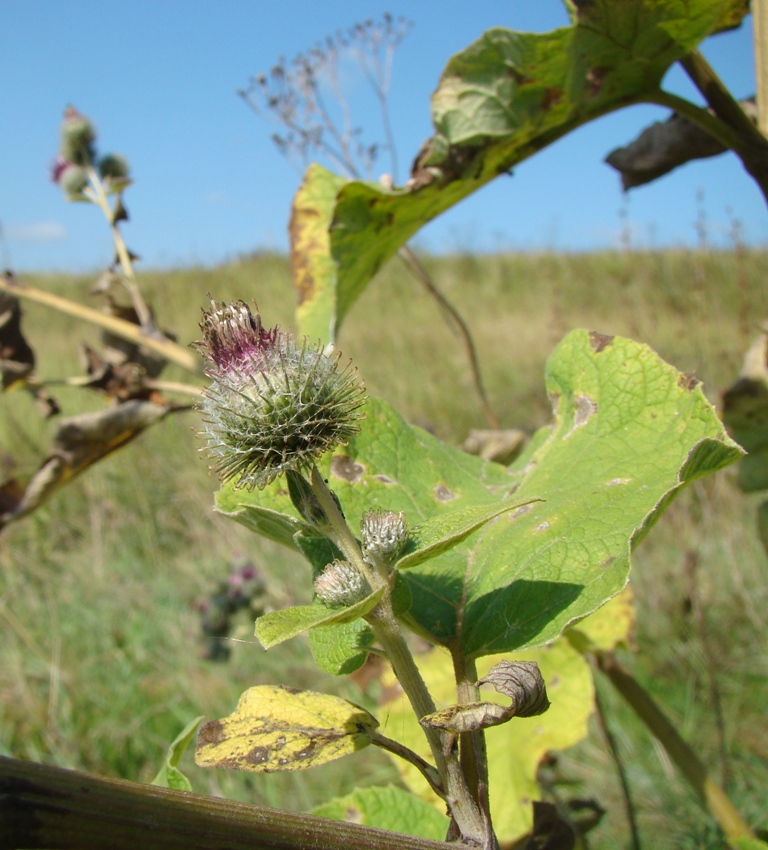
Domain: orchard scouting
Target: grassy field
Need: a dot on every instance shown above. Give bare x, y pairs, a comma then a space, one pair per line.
100, 658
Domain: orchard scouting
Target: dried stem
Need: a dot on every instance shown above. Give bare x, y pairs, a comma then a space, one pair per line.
613, 749
459, 325
712, 795
161, 345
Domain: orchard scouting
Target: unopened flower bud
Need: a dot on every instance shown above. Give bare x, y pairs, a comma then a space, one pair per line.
73, 180
384, 535
77, 138
112, 166
271, 405
341, 585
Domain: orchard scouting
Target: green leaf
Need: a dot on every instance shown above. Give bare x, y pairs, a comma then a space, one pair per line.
169, 775
278, 626
440, 534
512, 780
277, 728
273, 524
389, 808
499, 101
629, 432
341, 649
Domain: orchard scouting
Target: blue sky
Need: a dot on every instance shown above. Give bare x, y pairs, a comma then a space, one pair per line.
158, 78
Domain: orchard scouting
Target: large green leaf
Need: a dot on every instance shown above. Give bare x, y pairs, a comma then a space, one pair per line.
502, 99
629, 431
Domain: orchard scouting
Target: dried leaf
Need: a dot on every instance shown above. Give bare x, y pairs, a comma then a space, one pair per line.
664, 146
522, 682
17, 360
80, 442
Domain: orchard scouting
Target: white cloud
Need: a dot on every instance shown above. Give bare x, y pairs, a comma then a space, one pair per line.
38, 231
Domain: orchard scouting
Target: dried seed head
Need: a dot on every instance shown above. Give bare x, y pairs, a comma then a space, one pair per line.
271, 406
341, 585
384, 535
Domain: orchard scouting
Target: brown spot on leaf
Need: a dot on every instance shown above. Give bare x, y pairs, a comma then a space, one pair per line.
211, 733
347, 469
552, 96
607, 562
258, 755
594, 79
383, 479
585, 409
687, 382
443, 493
598, 342
353, 815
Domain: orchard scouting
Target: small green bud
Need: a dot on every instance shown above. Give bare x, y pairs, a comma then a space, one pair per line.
341, 585
384, 535
112, 166
77, 138
73, 180
271, 406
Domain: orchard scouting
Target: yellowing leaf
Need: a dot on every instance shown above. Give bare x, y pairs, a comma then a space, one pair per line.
607, 627
278, 728
515, 748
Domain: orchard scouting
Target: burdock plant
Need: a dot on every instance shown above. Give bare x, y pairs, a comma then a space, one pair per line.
272, 406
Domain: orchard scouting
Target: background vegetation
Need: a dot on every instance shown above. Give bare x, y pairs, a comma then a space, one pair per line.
100, 650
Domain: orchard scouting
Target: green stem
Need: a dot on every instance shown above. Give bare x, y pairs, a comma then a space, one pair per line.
712, 795
716, 128
387, 630
750, 145
472, 749
340, 533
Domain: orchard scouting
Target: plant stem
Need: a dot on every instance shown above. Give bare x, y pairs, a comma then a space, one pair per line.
750, 145
424, 767
760, 29
472, 749
56, 809
341, 535
463, 807
382, 620
163, 346
713, 796
455, 318
99, 197
613, 748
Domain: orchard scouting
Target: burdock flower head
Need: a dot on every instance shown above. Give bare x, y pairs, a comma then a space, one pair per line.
272, 406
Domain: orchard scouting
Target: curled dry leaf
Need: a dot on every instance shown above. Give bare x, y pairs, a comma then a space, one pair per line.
521, 681
665, 145
80, 442
17, 359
